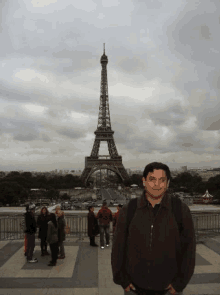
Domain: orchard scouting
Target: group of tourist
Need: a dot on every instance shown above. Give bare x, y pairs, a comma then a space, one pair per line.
102, 227
51, 231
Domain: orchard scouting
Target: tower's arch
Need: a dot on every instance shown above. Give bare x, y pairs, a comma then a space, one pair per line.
103, 167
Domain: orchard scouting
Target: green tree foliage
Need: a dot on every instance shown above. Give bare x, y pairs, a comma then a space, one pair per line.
188, 181
12, 192
65, 197
216, 194
52, 194
214, 183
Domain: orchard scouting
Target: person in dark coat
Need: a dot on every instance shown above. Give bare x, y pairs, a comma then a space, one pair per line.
52, 239
61, 233
115, 218
92, 226
30, 230
42, 223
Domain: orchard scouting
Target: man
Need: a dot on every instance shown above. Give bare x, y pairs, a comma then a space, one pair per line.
115, 219
105, 217
151, 263
31, 228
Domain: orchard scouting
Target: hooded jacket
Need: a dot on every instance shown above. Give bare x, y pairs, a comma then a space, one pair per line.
153, 255
30, 223
104, 216
52, 233
92, 222
42, 223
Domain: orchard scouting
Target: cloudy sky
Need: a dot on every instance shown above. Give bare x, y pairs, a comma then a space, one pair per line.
163, 81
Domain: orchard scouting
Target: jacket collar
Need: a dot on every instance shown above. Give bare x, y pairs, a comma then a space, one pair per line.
143, 202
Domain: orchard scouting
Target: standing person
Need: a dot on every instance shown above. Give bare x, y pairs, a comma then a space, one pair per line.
57, 208
30, 230
105, 217
42, 223
25, 235
92, 225
150, 252
115, 219
61, 233
52, 239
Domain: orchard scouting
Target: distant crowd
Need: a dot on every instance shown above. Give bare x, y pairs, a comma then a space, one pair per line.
100, 224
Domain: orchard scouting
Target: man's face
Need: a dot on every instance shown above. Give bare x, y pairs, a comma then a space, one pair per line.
156, 183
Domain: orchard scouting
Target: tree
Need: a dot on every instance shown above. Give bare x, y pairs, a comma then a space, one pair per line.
52, 194
213, 183
65, 197
13, 173
216, 194
187, 181
11, 192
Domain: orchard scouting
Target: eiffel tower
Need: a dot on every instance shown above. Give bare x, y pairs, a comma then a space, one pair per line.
104, 132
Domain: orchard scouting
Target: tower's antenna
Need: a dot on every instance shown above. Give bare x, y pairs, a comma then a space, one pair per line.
104, 47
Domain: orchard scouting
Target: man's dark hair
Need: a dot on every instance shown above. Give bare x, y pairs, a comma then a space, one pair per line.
104, 203
90, 207
120, 206
158, 166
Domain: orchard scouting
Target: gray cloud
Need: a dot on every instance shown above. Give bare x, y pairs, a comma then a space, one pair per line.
163, 75
173, 116
71, 132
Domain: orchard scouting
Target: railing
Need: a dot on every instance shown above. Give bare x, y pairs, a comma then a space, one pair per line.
11, 228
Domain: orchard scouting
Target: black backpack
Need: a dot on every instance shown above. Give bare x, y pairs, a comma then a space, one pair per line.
176, 208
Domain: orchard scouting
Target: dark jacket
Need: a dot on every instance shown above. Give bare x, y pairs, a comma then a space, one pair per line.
104, 216
30, 223
115, 220
42, 223
52, 233
61, 223
153, 259
92, 223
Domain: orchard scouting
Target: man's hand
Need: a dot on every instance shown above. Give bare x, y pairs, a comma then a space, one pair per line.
130, 287
171, 289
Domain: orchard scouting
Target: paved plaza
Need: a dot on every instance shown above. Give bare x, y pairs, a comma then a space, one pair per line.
87, 270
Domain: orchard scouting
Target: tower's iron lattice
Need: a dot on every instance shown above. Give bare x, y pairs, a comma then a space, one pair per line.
104, 132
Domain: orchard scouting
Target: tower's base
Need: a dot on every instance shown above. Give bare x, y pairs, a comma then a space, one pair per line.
93, 164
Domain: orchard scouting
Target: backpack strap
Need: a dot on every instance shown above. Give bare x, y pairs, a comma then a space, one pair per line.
176, 208
132, 206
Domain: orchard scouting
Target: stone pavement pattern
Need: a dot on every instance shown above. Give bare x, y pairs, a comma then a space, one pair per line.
87, 270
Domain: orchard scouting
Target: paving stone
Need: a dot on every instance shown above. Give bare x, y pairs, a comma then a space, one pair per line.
87, 270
